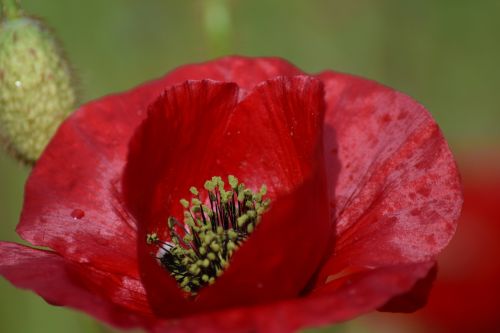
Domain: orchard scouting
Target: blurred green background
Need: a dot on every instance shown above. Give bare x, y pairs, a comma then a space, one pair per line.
443, 53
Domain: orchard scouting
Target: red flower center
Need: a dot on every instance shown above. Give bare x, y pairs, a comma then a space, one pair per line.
199, 249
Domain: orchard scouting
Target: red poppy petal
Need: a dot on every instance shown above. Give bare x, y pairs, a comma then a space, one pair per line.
173, 148
359, 293
272, 137
395, 190
55, 281
280, 126
415, 298
73, 202
187, 122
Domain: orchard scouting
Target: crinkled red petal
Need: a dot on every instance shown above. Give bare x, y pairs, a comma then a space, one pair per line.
272, 137
60, 283
279, 124
162, 167
414, 299
395, 193
73, 202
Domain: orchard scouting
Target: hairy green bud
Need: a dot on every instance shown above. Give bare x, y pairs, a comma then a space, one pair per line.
36, 86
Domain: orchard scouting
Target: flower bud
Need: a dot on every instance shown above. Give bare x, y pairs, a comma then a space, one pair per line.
36, 87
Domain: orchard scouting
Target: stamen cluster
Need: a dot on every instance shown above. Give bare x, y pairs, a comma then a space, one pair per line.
200, 248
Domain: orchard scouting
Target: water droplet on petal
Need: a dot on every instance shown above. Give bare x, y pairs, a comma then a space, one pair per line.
77, 214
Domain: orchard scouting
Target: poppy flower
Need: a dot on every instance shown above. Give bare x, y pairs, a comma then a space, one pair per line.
362, 194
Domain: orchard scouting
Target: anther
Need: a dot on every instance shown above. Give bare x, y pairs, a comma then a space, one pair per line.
201, 248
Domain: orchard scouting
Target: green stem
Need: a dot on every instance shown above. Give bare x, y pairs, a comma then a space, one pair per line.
217, 19
10, 9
